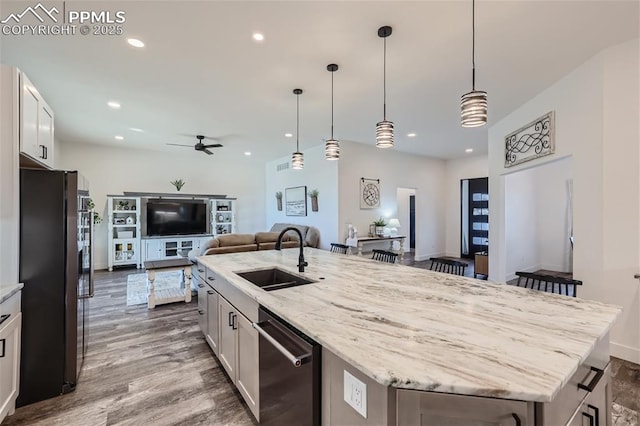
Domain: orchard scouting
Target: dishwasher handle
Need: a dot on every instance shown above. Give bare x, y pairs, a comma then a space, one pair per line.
295, 360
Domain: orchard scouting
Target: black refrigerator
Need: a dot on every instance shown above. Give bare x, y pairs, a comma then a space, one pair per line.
56, 267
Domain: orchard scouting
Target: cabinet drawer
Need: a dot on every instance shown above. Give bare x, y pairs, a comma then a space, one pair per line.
211, 276
560, 410
201, 271
245, 304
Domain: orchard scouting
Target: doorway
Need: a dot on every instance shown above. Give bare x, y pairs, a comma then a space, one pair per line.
406, 214
474, 221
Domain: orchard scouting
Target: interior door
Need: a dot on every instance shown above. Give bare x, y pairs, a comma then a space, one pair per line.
474, 194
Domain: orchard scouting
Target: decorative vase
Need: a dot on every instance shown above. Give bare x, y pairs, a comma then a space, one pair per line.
379, 231
279, 204
314, 204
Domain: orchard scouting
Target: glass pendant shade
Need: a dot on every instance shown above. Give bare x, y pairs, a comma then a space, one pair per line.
473, 108
297, 160
332, 150
384, 134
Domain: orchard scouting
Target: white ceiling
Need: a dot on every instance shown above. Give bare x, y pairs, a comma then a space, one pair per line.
201, 72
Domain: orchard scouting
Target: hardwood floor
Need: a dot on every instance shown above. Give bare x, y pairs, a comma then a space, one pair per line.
153, 367
142, 367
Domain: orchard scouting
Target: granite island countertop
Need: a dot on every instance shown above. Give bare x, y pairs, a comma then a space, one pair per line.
7, 291
416, 329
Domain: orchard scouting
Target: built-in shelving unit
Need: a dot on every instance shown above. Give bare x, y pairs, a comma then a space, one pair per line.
124, 231
223, 216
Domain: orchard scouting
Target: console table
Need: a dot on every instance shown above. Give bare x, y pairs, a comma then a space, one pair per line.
174, 294
361, 241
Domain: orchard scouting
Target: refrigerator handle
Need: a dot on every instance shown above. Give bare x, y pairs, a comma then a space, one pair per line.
91, 284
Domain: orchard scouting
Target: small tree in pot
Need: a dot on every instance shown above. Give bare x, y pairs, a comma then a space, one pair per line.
314, 199
279, 200
380, 224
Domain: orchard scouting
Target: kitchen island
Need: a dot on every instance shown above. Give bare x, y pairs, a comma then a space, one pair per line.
431, 346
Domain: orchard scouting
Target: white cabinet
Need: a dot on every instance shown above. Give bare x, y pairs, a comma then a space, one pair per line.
10, 329
154, 248
223, 216
124, 231
213, 329
202, 303
227, 344
247, 374
36, 124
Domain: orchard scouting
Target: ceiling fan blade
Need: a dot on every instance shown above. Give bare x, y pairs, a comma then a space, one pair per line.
177, 144
207, 151
213, 145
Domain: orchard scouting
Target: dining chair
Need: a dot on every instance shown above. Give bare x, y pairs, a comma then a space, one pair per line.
548, 283
384, 256
448, 266
339, 248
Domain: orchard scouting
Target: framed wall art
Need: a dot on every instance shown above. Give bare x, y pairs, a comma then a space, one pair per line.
296, 201
531, 141
369, 193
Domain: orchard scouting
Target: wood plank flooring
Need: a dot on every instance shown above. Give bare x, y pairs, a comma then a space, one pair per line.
153, 367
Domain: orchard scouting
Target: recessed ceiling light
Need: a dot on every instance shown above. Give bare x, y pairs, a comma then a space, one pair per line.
135, 42
411, 135
468, 150
135, 129
247, 153
120, 138
113, 104
288, 135
258, 37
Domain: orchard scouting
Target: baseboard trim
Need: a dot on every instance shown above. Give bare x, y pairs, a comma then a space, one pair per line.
625, 352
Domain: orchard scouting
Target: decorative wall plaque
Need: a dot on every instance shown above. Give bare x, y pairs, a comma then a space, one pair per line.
369, 193
534, 140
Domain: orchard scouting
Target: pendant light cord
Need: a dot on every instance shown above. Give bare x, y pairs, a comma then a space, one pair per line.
384, 80
297, 123
332, 105
473, 44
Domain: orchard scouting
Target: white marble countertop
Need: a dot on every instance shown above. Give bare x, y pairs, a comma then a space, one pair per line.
417, 329
7, 291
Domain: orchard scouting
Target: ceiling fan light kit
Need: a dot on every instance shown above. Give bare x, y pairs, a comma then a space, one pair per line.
332, 146
384, 128
297, 158
473, 105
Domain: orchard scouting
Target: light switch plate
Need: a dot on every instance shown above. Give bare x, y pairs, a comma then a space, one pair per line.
355, 393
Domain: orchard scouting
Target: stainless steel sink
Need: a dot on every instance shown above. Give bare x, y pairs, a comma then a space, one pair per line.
273, 278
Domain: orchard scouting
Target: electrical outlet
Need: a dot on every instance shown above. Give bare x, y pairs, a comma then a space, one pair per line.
355, 393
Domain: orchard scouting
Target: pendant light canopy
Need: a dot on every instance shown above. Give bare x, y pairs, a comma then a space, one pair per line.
297, 159
384, 129
332, 146
473, 104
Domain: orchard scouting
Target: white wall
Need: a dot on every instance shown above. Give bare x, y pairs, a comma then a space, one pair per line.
456, 170
537, 218
317, 173
9, 179
112, 170
395, 170
597, 117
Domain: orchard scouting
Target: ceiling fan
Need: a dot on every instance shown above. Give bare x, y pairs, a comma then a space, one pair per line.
200, 146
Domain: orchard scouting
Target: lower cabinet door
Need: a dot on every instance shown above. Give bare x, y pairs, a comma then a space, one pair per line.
202, 304
9, 365
247, 378
227, 343
213, 328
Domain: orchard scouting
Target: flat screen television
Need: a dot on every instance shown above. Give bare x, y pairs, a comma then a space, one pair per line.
176, 217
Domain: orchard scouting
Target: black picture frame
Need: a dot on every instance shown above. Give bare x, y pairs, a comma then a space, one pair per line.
296, 201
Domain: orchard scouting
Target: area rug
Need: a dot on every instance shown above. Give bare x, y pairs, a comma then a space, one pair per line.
137, 285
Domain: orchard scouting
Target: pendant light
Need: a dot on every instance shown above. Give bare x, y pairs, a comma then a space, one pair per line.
384, 129
473, 104
332, 146
297, 159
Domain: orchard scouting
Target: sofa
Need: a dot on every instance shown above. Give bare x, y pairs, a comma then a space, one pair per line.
236, 243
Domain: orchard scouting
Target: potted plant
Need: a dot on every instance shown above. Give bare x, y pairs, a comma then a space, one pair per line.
380, 224
279, 200
178, 183
314, 199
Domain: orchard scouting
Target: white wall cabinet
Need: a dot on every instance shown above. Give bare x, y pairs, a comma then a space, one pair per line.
10, 329
124, 231
154, 248
36, 124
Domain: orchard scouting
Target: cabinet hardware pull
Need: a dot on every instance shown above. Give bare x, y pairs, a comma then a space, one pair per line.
596, 413
229, 323
4, 347
234, 322
637, 276
42, 155
590, 417
210, 278
295, 360
594, 382
209, 291
200, 270
46, 152
200, 285
517, 419
200, 311
3, 318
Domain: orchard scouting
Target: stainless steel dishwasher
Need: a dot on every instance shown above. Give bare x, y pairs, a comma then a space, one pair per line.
289, 373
